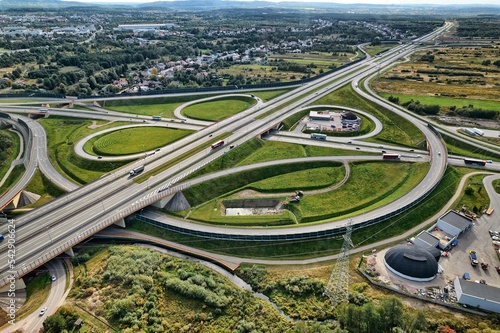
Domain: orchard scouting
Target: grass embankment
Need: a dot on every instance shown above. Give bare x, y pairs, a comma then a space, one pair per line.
14, 177
12, 141
444, 101
257, 150
134, 140
325, 246
40, 184
475, 198
373, 50
396, 129
218, 109
370, 185
62, 133
165, 106
37, 291
496, 185
461, 148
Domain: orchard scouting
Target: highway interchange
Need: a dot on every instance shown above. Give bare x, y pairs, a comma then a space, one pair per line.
55, 227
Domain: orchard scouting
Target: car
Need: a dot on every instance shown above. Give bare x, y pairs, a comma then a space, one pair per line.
99, 157
412, 150
231, 146
381, 146
489, 161
383, 151
439, 153
210, 135
157, 149
419, 156
358, 148
349, 142
473, 258
42, 312
495, 238
466, 276
53, 278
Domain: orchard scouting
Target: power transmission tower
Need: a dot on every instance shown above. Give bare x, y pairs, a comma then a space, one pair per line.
337, 288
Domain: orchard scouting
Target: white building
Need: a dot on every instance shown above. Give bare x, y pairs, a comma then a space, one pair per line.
477, 295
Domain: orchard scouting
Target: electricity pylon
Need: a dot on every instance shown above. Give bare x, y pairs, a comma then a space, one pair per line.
337, 288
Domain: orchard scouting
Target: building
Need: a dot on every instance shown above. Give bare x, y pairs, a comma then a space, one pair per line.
320, 115
477, 295
454, 223
411, 262
425, 240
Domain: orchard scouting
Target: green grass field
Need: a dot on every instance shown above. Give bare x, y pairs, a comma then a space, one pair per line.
62, 133
11, 154
304, 180
446, 101
39, 184
370, 185
134, 140
218, 109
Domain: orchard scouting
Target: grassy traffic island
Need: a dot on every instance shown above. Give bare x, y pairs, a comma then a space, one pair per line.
126, 141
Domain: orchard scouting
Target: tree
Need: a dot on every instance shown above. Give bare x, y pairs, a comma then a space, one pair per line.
469, 190
391, 312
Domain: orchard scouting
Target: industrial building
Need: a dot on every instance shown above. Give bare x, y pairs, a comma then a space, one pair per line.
411, 262
477, 295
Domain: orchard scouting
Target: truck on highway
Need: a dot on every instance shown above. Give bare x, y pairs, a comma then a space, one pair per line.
217, 144
470, 132
137, 170
474, 161
478, 131
391, 156
318, 136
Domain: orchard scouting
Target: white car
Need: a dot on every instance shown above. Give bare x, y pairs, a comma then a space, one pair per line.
53, 278
42, 312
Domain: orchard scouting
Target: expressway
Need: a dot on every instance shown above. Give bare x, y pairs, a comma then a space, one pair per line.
53, 228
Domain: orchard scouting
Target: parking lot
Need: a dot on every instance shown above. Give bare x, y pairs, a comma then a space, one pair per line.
479, 240
456, 263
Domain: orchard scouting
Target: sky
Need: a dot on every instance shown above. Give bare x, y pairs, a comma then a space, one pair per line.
406, 2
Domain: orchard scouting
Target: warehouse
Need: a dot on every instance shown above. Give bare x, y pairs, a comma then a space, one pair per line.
454, 223
477, 295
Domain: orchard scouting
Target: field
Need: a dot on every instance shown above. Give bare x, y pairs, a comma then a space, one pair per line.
217, 110
387, 181
134, 140
62, 133
458, 76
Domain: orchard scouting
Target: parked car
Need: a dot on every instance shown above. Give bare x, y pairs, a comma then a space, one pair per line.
466, 276
473, 258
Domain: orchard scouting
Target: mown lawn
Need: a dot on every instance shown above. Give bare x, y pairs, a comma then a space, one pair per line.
134, 140
218, 109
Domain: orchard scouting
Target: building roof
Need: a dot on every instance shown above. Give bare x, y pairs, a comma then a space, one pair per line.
480, 290
426, 238
411, 261
349, 116
457, 220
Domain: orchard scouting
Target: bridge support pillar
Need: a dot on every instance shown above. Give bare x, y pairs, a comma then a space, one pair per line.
163, 202
70, 252
18, 284
121, 223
